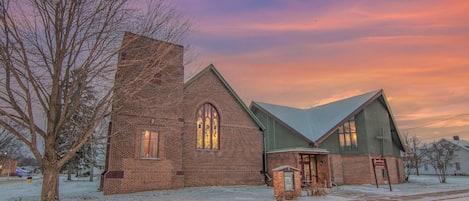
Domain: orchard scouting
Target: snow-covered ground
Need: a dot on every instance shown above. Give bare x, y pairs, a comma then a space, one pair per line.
424, 188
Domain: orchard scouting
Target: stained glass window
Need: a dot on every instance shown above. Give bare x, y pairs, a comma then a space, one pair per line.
348, 136
149, 146
208, 129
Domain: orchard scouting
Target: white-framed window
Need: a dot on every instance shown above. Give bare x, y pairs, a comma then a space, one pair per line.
149, 144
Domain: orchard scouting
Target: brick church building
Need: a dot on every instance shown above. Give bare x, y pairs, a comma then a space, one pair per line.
167, 133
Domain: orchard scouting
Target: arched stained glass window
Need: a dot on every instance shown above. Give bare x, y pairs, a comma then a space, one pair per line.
208, 130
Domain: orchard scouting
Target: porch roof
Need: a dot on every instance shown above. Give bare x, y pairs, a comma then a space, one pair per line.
300, 149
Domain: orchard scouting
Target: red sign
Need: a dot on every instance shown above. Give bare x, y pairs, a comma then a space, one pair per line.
379, 162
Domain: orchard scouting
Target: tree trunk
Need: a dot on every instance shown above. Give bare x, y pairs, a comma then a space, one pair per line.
50, 187
91, 172
443, 175
69, 172
417, 167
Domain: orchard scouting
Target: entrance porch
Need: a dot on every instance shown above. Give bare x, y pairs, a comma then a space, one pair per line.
313, 163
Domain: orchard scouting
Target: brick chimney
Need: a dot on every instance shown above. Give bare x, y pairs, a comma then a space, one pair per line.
456, 137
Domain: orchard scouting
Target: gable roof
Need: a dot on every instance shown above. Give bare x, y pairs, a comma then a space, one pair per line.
211, 68
317, 123
461, 143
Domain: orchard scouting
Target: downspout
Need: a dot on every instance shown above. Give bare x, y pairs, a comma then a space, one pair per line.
264, 135
266, 173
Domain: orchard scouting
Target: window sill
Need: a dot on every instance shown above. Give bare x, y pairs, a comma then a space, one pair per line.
150, 159
207, 150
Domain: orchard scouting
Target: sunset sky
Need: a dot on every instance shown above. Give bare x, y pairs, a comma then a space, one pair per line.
304, 53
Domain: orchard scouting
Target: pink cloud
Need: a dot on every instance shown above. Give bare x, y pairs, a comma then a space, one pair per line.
305, 55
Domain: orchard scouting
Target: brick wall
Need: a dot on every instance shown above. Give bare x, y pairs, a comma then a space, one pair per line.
8, 167
358, 169
148, 96
239, 159
280, 159
292, 158
337, 171
279, 186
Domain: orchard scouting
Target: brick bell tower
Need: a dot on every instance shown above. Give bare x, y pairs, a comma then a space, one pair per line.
144, 151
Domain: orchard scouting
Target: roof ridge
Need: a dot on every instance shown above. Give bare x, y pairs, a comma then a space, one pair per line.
320, 121
212, 68
456, 142
277, 105
345, 99
197, 75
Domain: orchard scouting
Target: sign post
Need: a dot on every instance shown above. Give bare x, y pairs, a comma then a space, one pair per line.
381, 164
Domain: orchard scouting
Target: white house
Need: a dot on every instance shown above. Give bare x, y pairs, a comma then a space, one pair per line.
459, 163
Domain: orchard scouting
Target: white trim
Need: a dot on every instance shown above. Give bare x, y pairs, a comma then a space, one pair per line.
300, 149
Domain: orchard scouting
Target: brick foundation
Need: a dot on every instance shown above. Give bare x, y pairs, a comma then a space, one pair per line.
292, 158
358, 169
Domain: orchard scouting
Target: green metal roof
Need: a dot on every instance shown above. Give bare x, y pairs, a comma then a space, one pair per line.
317, 123
211, 68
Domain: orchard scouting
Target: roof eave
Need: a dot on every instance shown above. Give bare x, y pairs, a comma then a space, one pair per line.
212, 68
353, 113
394, 122
293, 130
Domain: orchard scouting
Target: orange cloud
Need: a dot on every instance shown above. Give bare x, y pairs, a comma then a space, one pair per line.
450, 123
303, 56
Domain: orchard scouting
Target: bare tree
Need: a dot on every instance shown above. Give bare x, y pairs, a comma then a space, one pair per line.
75, 126
413, 156
97, 146
7, 141
439, 155
43, 41
11, 145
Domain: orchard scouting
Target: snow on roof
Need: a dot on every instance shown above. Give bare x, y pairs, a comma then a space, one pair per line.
461, 143
315, 122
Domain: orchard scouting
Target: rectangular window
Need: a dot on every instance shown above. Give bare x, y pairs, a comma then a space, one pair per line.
348, 136
458, 165
354, 141
149, 146
348, 142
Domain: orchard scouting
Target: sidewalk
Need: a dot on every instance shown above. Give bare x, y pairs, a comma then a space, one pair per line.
359, 195
422, 188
